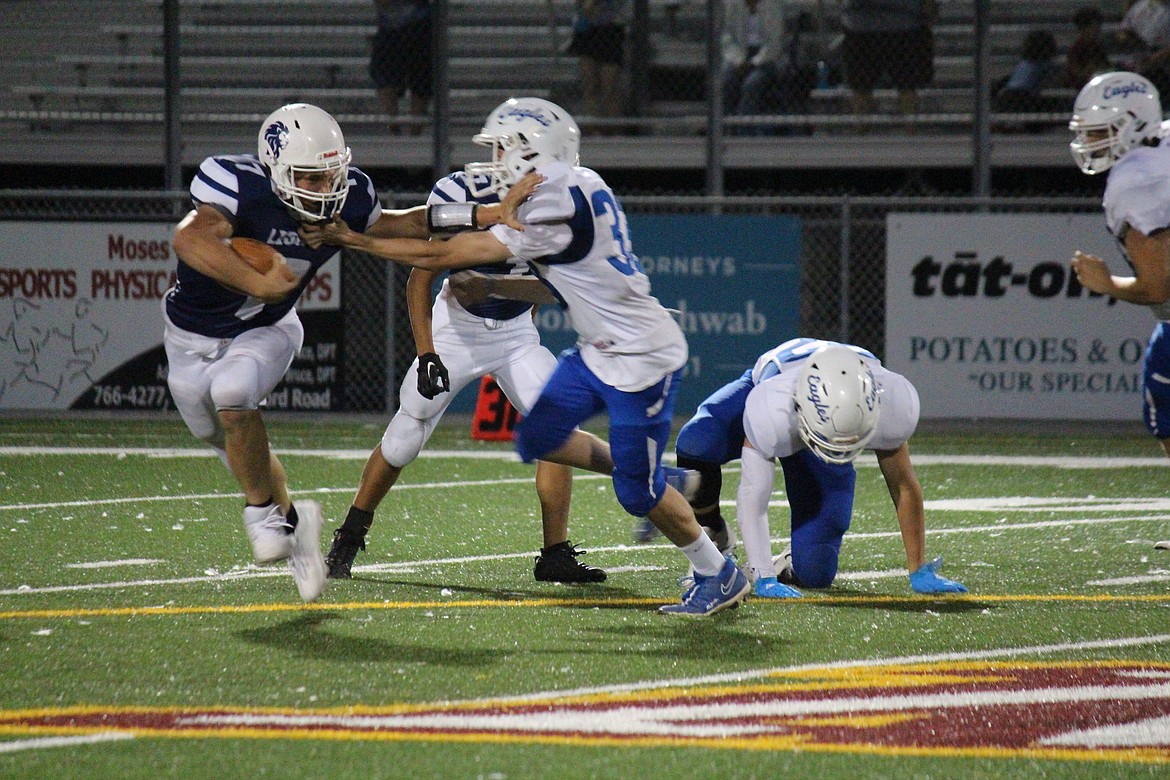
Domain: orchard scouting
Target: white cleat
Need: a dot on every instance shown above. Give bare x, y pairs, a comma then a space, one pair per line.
1162, 545
783, 566
306, 562
268, 532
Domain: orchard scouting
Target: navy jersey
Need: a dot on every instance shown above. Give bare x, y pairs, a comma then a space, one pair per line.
238, 187
454, 189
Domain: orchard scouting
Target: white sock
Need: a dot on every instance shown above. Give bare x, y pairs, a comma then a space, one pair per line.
704, 556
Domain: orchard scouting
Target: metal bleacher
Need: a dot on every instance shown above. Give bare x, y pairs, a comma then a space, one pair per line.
98, 89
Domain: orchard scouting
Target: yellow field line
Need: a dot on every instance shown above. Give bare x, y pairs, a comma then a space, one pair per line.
564, 602
777, 743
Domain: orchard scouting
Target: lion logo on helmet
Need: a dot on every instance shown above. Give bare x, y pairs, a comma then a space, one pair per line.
276, 136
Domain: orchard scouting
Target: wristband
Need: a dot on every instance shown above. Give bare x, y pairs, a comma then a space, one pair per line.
451, 218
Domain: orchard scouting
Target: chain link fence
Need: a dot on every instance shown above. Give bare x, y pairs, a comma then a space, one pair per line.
130, 85
843, 262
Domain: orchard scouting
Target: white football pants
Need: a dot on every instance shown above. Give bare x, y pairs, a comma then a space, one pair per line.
208, 374
470, 347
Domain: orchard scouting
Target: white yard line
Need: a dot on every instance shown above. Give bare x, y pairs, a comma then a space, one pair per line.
866, 460
408, 566
995, 504
297, 494
755, 674
54, 742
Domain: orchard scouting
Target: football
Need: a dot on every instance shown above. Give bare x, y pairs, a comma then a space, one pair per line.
256, 254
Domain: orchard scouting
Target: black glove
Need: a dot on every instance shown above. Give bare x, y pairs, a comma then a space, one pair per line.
432, 376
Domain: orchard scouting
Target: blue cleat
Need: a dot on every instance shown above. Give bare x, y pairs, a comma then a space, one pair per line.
708, 595
771, 588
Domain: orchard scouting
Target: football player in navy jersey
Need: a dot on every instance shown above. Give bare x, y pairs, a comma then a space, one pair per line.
457, 344
813, 406
231, 332
1117, 119
630, 351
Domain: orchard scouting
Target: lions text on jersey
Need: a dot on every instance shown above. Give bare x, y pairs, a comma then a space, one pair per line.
239, 188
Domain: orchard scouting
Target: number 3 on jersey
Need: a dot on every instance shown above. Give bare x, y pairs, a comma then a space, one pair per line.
623, 258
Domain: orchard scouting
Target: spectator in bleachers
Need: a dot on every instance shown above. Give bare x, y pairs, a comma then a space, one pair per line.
1146, 26
1087, 55
888, 38
400, 56
753, 47
768, 63
599, 38
1036, 70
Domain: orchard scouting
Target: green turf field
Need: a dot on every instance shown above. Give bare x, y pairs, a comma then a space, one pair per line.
137, 640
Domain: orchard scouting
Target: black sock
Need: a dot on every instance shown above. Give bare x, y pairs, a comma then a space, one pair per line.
711, 519
357, 522
292, 518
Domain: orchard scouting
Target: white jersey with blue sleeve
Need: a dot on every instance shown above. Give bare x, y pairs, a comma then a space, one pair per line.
770, 421
1138, 196
578, 242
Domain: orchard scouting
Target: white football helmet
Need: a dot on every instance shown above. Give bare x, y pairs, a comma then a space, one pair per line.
523, 133
1113, 113
836, 404
300, 139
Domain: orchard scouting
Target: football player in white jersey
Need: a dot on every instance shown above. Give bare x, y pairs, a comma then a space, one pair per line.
814, 406
231, 333
457, 344
630, 351
1117, 119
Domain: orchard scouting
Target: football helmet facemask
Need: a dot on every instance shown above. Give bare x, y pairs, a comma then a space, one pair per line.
1113, 113
298, 140
837, 404
523, 133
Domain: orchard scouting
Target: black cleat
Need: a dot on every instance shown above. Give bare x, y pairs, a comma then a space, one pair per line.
559, 563
341, 554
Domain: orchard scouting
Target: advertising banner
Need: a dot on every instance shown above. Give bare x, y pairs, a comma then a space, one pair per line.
986, 317
733, 280
81, 325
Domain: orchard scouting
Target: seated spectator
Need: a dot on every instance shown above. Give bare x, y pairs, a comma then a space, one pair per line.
753, 53
1146, 25
1036, 70
1087, 55
768, 63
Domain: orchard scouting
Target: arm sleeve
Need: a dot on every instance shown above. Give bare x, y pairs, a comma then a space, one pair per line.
751, 510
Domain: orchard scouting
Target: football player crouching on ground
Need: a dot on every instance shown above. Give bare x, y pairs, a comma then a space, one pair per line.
630, 351
231, 332
1117, 118
458, 342
814, 405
